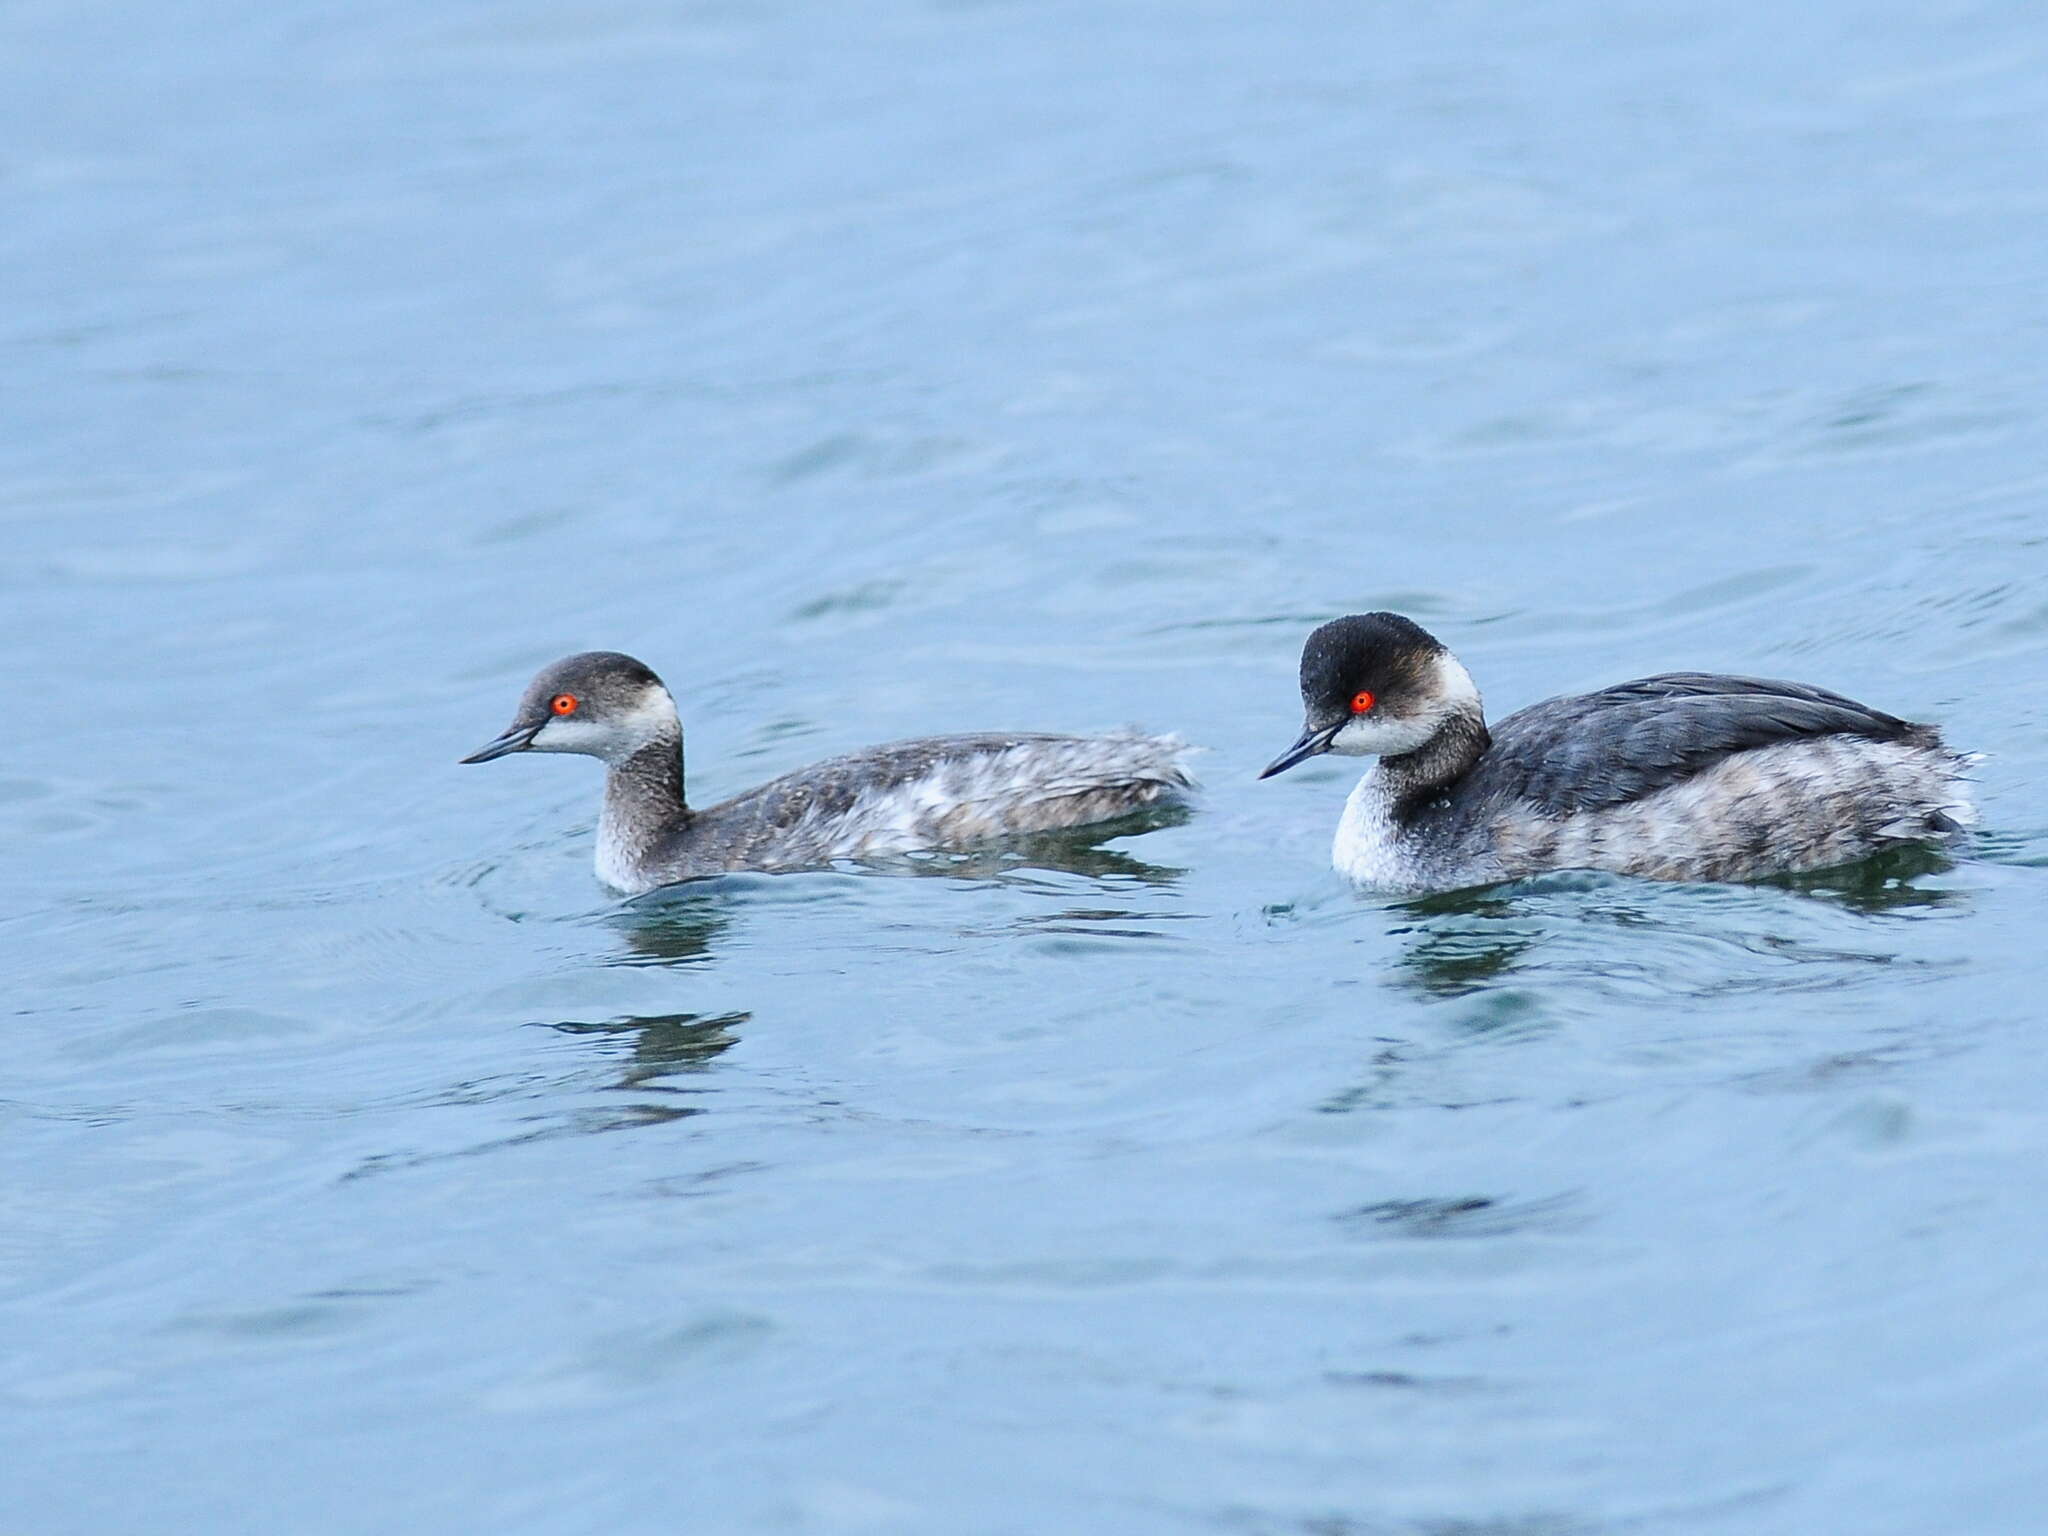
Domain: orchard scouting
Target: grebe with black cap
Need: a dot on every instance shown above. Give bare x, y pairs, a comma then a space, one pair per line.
935, 793
1682, 776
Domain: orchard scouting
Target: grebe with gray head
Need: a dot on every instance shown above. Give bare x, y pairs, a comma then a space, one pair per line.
1682, 776
936, 793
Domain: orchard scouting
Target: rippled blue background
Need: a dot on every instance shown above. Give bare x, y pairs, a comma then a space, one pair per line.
908, 366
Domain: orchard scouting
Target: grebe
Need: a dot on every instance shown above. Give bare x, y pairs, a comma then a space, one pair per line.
1683, 776
933, 793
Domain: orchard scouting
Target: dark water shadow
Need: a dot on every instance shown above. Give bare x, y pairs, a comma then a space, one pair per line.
1463, 1216
654, 1047
646, 1053
677, 925
1468, 941
1454, 959
686, 924
1341, 1523
2018, 847
1399, 1076
1881, 883
1722, 1511
1074, 851
648, 1049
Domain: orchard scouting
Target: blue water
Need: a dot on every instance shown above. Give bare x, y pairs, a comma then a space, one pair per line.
916, 366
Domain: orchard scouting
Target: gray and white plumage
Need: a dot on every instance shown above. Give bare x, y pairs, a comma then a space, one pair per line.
935, 793
1683, 776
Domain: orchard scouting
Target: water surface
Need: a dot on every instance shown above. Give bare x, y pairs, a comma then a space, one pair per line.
875, 370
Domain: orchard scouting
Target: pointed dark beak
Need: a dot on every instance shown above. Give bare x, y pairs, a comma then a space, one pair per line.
1314, 739
516, 739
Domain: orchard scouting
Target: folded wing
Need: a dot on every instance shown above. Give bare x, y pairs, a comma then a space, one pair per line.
1622, 743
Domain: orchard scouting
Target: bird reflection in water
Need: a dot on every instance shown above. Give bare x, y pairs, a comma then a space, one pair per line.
1464, 941
658, 1046
679, 925
1467, 941
1881, 884
1071, 851
650, 1049
683, 924
1518, 958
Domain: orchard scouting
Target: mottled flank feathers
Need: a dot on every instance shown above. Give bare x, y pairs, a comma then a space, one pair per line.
1803, 804
935, 793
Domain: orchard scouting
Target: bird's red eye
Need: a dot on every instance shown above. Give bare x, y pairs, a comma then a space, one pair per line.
563, 704
1361, 701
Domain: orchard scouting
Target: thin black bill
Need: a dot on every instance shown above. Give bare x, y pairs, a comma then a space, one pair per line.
1314, 740
517, 739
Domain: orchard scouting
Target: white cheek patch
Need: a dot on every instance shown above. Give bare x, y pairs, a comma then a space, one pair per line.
1454, 685
1381, 736
565, 733
651, 716
654, 713
1375, 734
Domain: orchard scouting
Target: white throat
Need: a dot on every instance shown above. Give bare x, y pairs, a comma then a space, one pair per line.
1367, 849
619, 851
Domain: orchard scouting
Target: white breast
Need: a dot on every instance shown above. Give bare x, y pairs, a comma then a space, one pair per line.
1367, 849
618, 862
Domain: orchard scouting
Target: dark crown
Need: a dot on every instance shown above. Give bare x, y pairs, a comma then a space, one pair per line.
1380, 651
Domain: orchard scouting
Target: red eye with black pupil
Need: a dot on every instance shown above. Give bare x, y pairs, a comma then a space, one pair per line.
1361, 701
563, 704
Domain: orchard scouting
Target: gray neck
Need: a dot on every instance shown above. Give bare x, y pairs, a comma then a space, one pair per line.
1412, 779
643, 803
